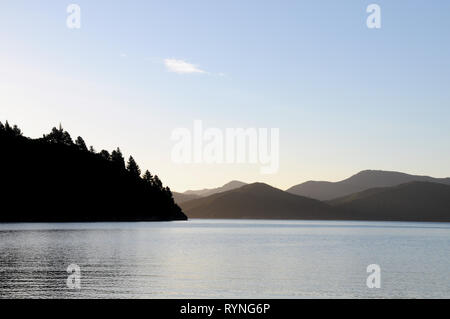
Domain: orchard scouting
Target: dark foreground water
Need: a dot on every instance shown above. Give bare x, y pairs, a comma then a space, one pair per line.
225, 259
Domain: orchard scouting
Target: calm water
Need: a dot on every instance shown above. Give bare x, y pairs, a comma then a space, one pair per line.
213, 259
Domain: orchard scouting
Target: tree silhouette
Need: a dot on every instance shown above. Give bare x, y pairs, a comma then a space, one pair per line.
8, 128
81, 144
16, 131
157, 182
58, 136
105, 155
117, 158
56, 167
148, 178
10, 131
133, 167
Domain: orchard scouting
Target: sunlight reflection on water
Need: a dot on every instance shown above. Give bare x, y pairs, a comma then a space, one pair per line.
225, 258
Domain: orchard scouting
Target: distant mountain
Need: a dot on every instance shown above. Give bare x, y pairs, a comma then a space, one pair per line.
54, 179
257, 201
415, 201
357, 183
206, 192
181, 197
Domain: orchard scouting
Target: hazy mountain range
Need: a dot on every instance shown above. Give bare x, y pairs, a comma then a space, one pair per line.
256, 200
194, 194
182, 197
357, 183
368, 195
227, 187
420, 201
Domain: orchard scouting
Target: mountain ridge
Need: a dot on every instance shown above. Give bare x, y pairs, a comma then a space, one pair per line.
209, 191
366, 179
255, 201
413, 201
181, 197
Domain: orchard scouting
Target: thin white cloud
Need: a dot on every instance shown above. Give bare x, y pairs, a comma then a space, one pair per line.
181, 67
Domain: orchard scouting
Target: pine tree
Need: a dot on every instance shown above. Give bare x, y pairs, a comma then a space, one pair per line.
117, 158
58, 136
10, 131
148, 178
8, 128
16, 131
157, 182
168, 192
133, 167
81, 144
66, 139
105, 154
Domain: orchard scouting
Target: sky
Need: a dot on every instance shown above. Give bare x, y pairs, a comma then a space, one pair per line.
344, 97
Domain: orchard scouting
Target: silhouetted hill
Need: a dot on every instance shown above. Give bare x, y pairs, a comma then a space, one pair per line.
53, 179
257, 201
357, 183
206, 192
415, 201
181, 197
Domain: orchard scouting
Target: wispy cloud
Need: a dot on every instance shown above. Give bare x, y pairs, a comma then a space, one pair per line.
182, 67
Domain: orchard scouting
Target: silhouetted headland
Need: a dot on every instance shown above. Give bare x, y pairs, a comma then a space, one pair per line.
56, 179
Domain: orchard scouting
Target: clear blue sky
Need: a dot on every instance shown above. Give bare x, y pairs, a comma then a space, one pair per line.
345, 97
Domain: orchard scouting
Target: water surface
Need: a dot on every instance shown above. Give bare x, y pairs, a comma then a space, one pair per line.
225, 259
